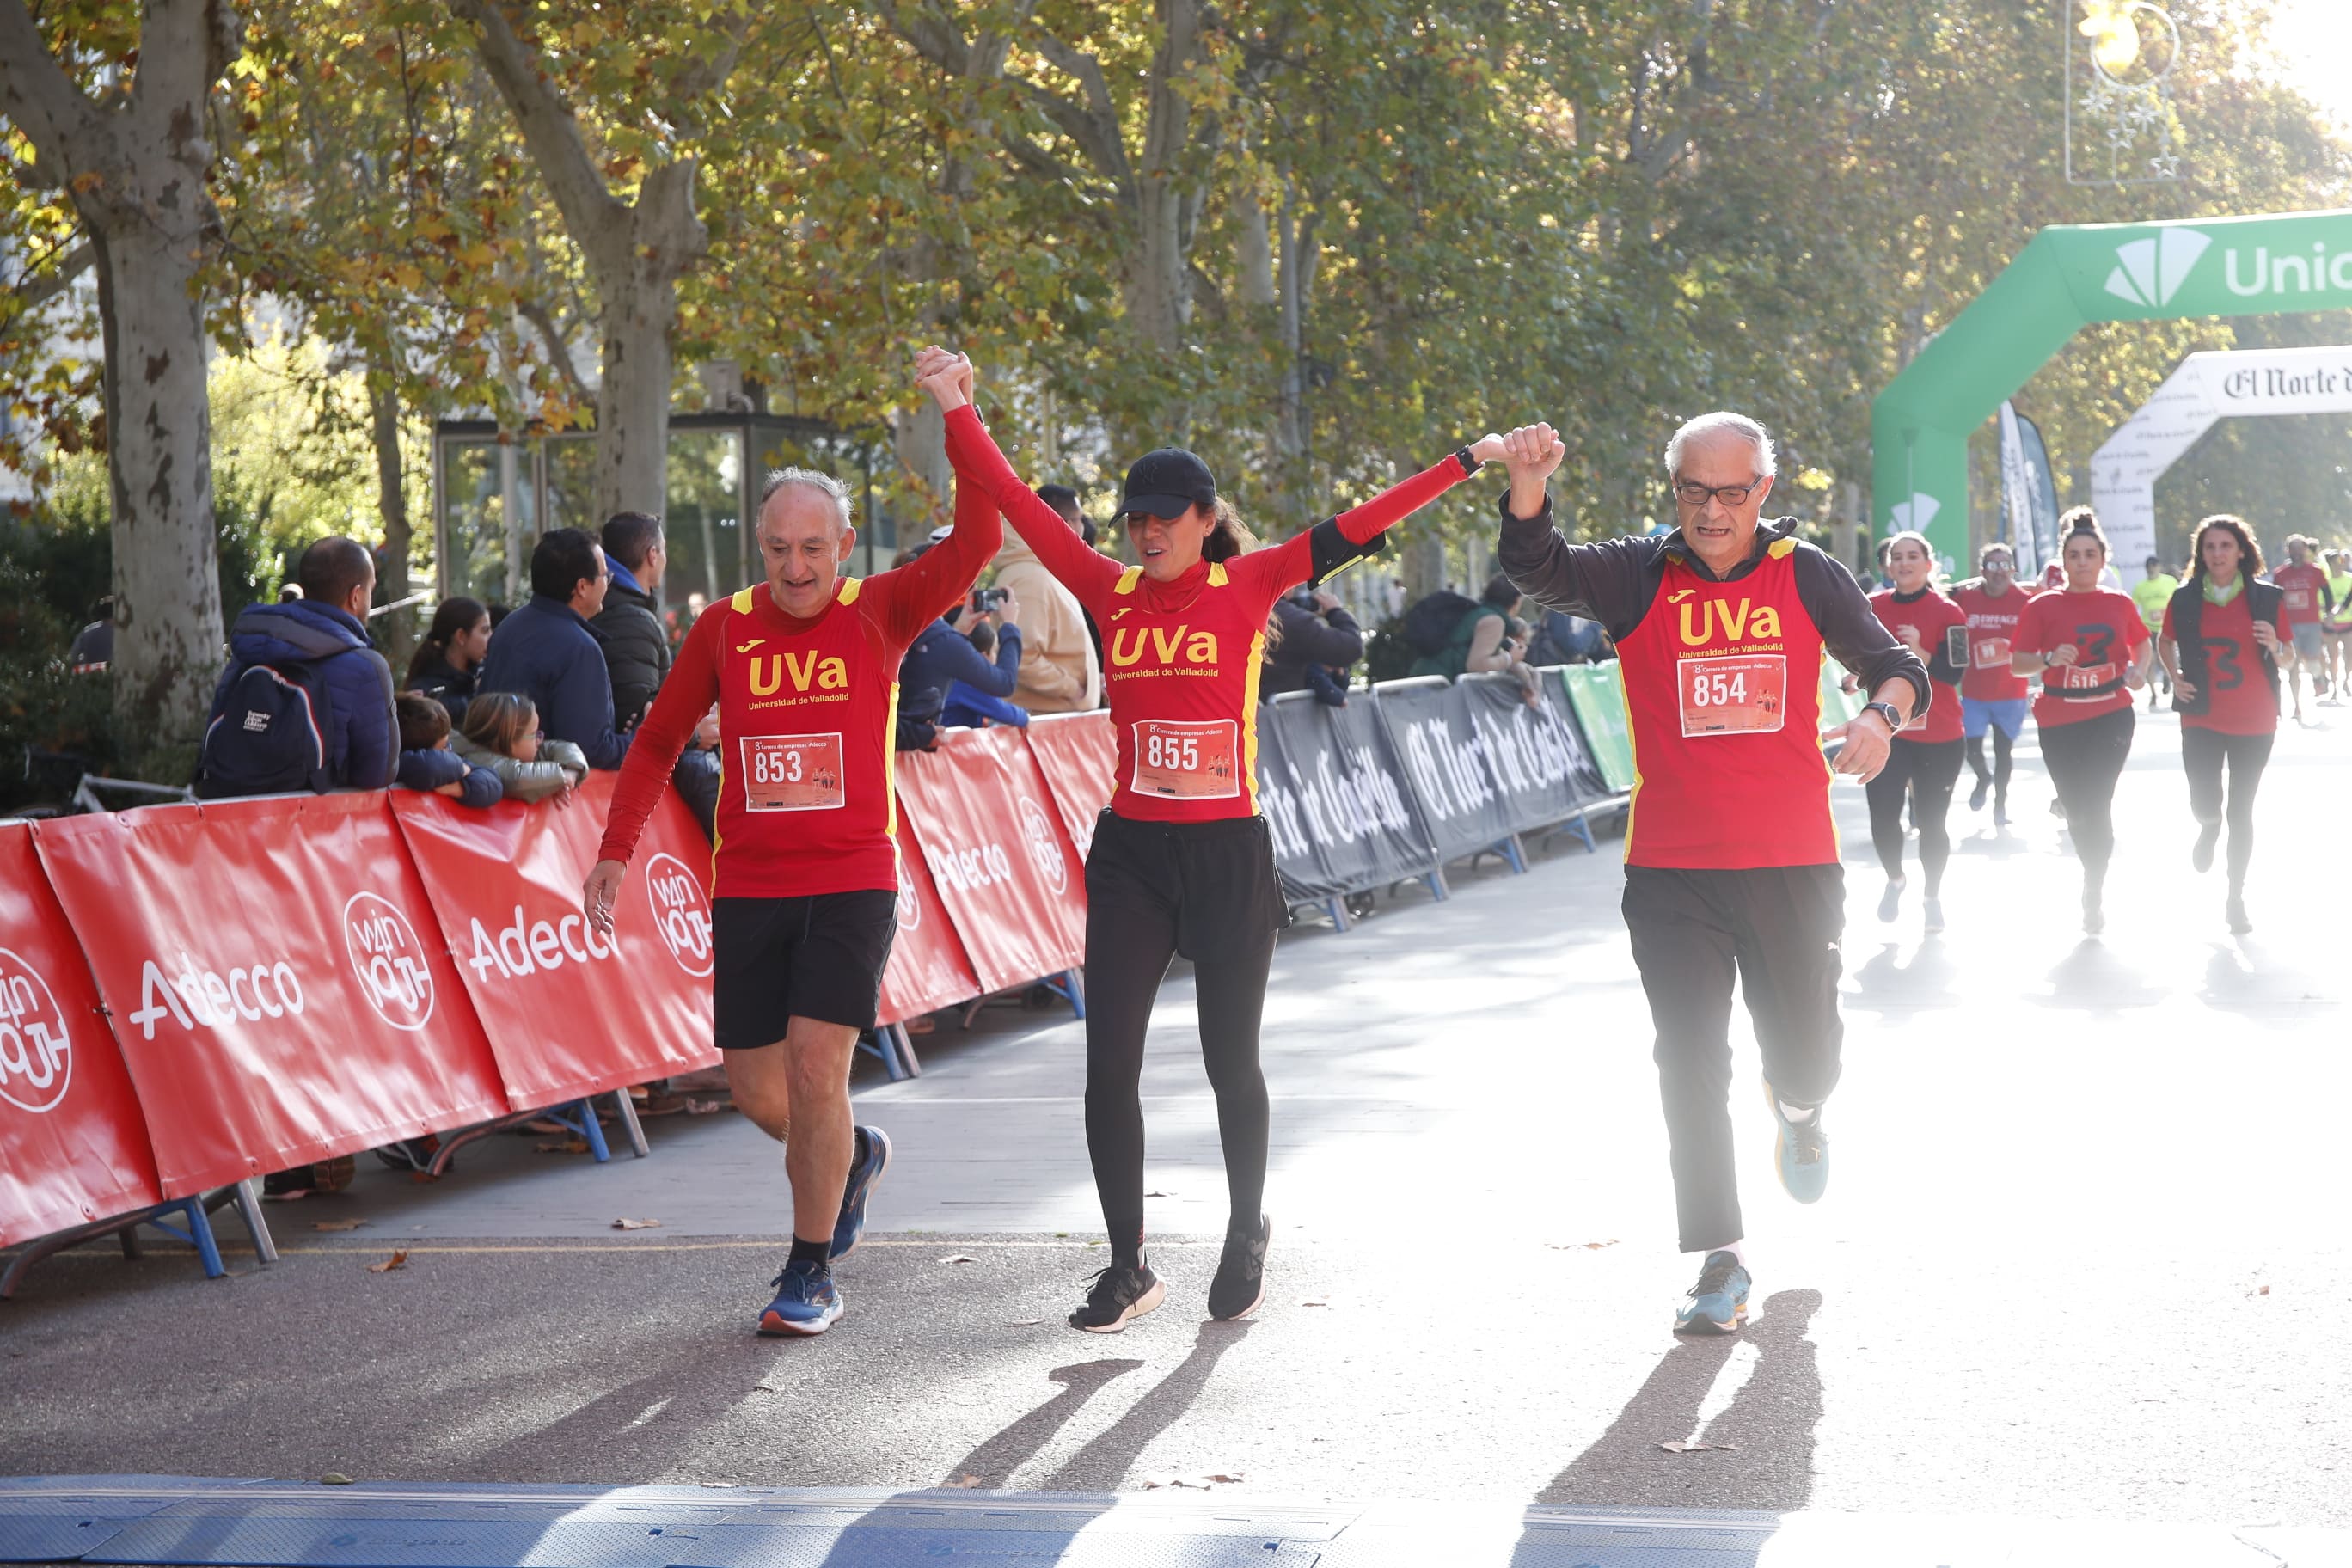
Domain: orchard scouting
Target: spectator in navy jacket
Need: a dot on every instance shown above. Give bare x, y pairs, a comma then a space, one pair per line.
326, 629
1318, 634
942, 655
970, 708
546, 652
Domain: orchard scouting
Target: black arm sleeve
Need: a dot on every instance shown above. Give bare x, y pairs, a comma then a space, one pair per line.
1612, 582
1855, 636
1330, 550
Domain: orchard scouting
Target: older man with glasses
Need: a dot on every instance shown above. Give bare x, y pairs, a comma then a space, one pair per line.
1731, 860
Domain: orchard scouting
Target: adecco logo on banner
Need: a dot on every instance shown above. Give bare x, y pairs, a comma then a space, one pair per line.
680, 912
192, 997
519, 949
389, 961
968, 871
1037, 828
35, 1052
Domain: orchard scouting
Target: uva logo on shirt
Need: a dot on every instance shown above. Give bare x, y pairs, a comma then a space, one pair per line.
1720, 621
1170, 645
830, 672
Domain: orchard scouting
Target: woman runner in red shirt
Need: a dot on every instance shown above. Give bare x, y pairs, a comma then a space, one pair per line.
2090, 646
2221, 646
1923, 762
1181, 861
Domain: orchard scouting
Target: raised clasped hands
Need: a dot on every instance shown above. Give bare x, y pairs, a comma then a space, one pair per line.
947, 376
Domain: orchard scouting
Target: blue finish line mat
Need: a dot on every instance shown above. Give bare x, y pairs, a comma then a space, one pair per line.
284, 1524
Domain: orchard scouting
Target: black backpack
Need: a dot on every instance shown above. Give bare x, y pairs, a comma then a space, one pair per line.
270, 737
1430, 625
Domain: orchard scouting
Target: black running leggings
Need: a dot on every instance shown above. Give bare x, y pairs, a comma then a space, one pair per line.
2084, 759
1155, 889
1999, 775
2203, 753
1926, 770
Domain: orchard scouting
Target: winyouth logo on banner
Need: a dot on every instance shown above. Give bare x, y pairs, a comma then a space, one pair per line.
36, 1051
681, 913
2151, 271
1037, 830
389, 961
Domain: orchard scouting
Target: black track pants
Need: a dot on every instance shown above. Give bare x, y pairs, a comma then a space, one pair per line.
1776, 930
2085, 759
1925, 771
1154, 889
2203, 753
1998, 775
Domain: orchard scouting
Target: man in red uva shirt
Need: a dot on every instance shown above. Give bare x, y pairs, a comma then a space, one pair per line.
804, 669
1731, 858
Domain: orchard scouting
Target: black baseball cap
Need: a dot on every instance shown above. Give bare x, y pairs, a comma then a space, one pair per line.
1167, 483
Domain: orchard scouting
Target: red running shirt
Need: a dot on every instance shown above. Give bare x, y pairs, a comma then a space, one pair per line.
807, 716
2304, 592
2107, 633
1181, 658
1932, 618
1993, 628
1723, 690
2238, 696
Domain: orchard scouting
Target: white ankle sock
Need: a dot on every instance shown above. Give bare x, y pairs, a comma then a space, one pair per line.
1797, 1116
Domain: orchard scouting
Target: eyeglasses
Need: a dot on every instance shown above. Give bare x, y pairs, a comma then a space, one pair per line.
1729, 495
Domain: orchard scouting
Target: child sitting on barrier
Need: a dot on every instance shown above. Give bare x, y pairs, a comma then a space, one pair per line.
501, 733
427, 764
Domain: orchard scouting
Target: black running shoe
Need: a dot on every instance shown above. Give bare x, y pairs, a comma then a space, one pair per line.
1977, 795
1117, 1294
1240, 1285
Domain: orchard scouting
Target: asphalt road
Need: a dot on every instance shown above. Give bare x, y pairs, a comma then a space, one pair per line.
2077, 1258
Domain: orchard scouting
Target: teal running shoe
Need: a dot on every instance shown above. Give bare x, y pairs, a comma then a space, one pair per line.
807, 1302
1801, 1153
1718, 1304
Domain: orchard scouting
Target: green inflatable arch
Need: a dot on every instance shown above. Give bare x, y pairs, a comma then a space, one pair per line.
2065, 279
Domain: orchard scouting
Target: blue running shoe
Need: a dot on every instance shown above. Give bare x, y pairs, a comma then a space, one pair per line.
807, 1302
850, 1228
1801, 1153
1718, 1304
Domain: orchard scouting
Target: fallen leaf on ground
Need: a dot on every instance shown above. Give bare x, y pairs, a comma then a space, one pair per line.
1024, 1323
569, 1146
634, 1224
1698, 1447
703, 1108
337, 1224
959, 1257
1581, 1245
967, 1481
334, 1479
397, 1260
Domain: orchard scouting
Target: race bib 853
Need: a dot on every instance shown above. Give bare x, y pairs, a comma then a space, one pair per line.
793, 772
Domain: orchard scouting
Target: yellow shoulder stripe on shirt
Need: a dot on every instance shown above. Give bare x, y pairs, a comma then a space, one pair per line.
742, 602
1781, 547
849, 594
1216, 573
1128, 579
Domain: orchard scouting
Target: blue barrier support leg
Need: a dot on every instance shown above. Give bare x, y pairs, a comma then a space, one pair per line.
1075, 987
1437, 889
905, 1048
585, 1109
1339, 908
248, 1209
886, 1047
1514, 854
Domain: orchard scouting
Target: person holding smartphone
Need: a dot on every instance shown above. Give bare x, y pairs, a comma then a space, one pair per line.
945, 655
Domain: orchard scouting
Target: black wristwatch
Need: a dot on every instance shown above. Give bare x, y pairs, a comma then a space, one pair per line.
1894, 720
1470, 465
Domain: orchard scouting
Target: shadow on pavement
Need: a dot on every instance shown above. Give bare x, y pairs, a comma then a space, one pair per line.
1885, 984
1102, 1464
1769, 1426
2092, 979
993, 1461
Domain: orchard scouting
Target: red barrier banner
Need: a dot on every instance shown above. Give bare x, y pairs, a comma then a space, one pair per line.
927, 966
998, 853
1078, 754
570, 1014
73, 1146
278, 984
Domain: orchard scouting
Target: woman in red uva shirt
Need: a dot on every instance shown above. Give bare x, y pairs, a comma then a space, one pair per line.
2221, 646
1923, 761
1181, 861
2091, 648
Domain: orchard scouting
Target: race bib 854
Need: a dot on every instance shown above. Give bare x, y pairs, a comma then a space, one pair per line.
1735, 694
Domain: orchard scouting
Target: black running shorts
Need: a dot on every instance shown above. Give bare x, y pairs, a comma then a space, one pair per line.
777, 959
